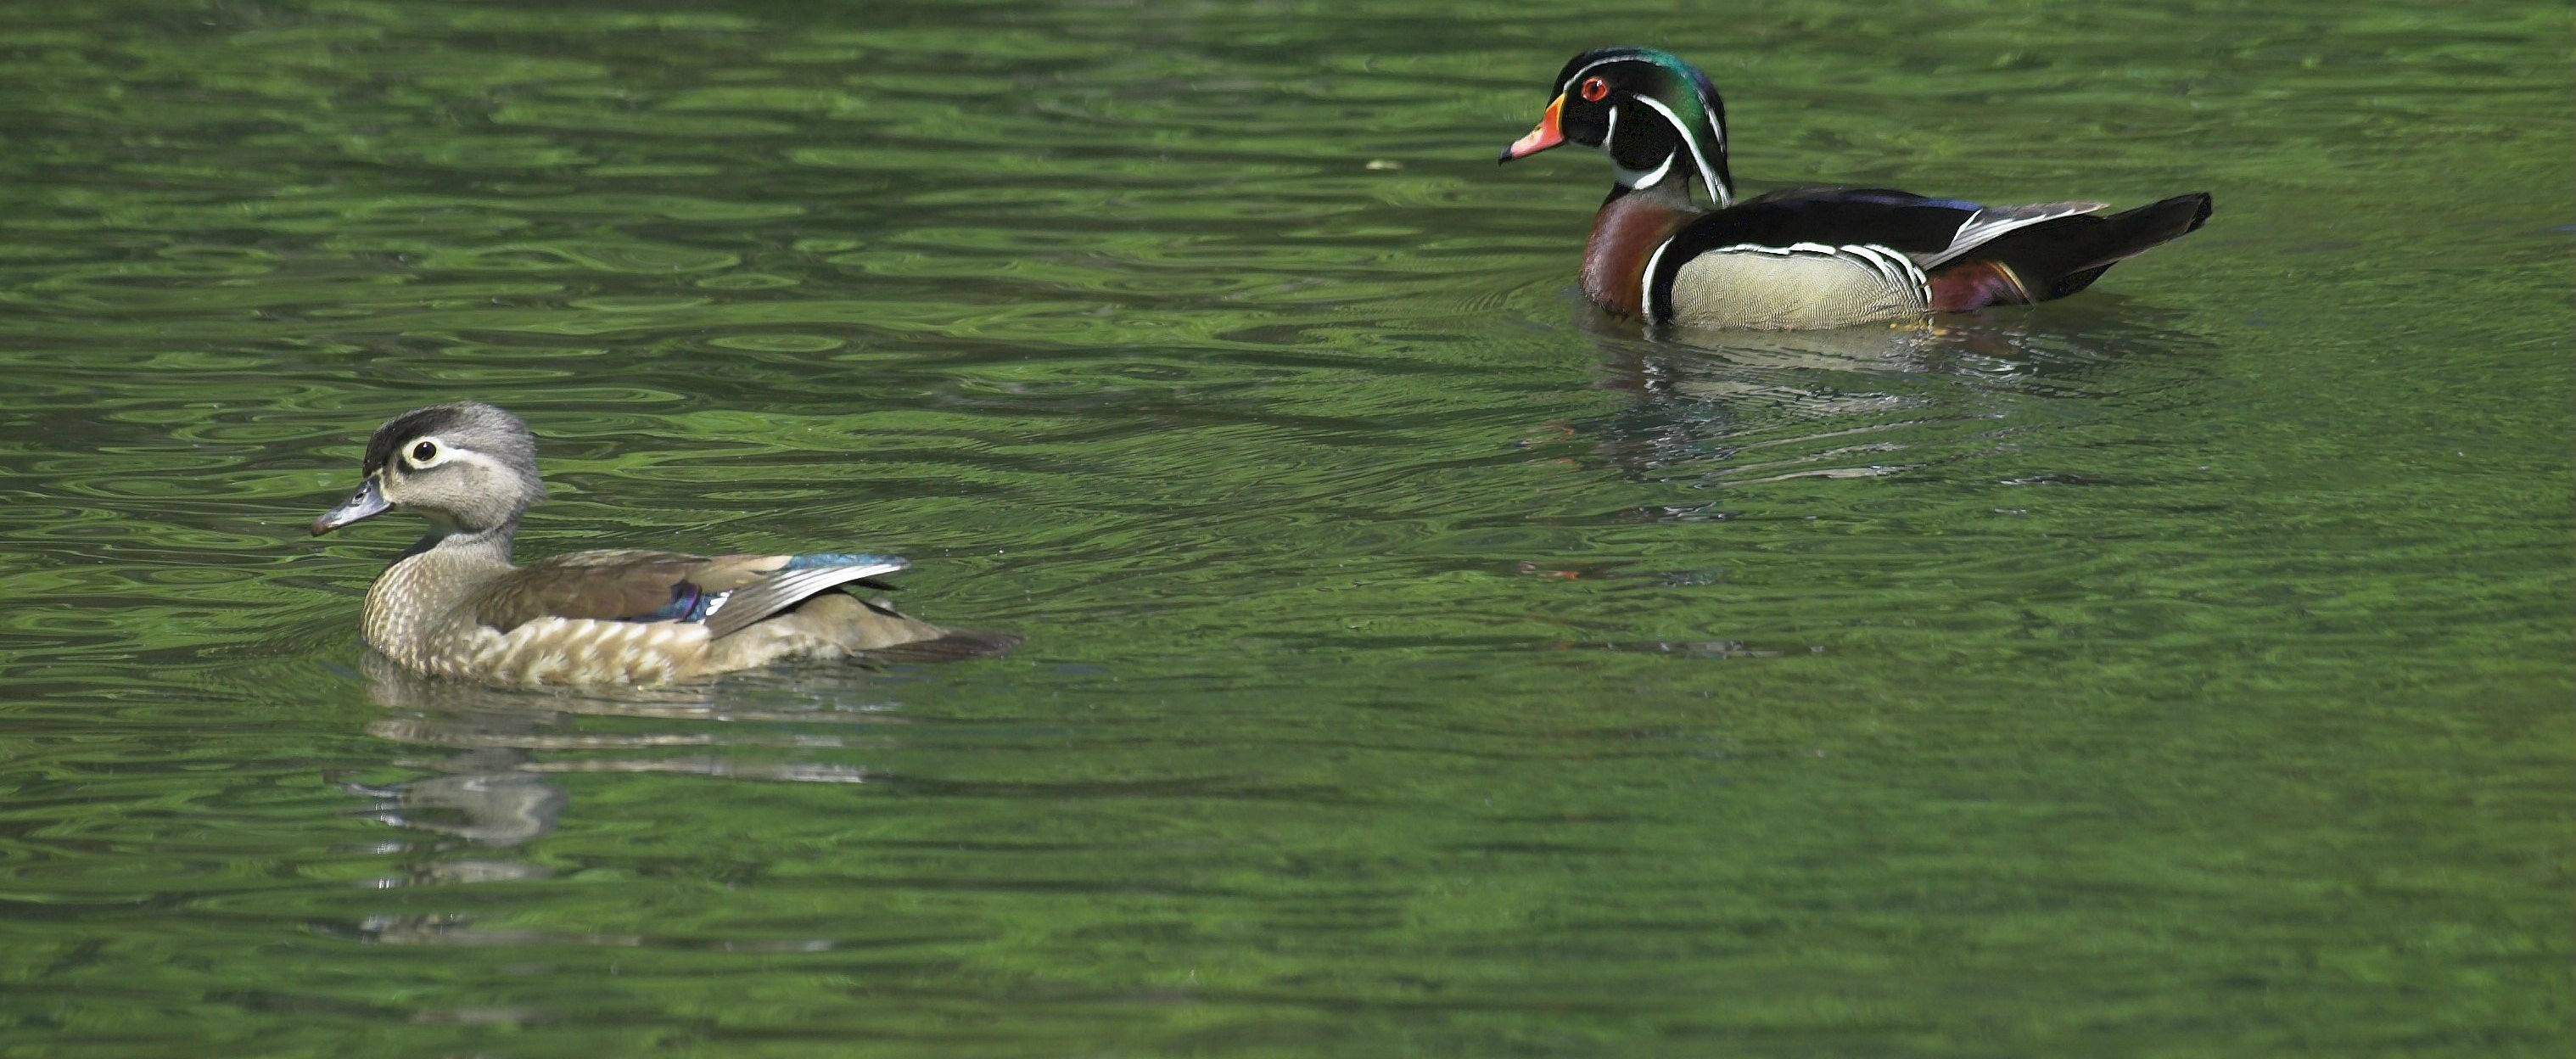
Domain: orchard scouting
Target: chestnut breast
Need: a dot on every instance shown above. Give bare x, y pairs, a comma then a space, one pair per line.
1624, 234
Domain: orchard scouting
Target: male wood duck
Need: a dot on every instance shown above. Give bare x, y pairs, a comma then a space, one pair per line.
1808, 256
454, 605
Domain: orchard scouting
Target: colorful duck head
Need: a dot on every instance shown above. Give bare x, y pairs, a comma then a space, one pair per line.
1656, 116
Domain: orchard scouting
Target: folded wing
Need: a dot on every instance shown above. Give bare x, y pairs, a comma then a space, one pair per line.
727, 592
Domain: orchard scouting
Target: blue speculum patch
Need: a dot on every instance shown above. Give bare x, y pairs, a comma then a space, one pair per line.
688, 603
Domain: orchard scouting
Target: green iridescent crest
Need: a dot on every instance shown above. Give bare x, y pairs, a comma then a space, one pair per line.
1673, 88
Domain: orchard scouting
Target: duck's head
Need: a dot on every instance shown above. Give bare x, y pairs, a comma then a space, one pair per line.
467, 467
1656, 116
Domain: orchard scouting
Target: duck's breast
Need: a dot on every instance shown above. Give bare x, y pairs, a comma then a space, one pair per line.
1624, 235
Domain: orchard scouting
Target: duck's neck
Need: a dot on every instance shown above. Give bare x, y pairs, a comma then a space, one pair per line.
424, 588
489, 549
1624, 234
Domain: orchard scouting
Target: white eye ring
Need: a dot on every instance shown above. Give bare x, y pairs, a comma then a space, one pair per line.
424, 454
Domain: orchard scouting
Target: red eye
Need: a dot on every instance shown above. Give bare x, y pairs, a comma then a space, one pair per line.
1594, 88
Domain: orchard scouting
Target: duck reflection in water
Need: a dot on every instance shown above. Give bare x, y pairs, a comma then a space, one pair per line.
491, 754
492, 792
1733, 408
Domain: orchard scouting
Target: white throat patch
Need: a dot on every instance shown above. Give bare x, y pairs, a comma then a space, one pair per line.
1635, 180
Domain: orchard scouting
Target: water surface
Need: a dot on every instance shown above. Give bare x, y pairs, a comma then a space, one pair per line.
1419, 663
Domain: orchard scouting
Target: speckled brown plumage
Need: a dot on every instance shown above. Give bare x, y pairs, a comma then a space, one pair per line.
456, 606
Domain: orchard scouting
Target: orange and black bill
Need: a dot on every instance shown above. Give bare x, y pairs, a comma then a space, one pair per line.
1546, 135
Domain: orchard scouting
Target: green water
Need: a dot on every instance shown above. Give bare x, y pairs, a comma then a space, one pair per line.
1418, 663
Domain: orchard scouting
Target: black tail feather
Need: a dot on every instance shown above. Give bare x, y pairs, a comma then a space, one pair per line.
2064, 256
2072, 282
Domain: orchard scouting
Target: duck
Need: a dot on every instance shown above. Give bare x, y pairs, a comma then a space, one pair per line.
1800, 257
454, 604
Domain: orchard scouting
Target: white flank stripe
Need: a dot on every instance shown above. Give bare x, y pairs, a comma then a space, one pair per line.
1646, 297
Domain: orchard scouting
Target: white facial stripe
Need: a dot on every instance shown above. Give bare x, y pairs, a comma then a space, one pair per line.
1568, 86
1707, 173
1608, 137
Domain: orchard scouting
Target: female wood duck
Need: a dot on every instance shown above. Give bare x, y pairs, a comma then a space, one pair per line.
1800, 257
454, 606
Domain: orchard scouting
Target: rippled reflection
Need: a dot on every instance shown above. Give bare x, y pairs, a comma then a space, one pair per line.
1746, 408
491, 787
